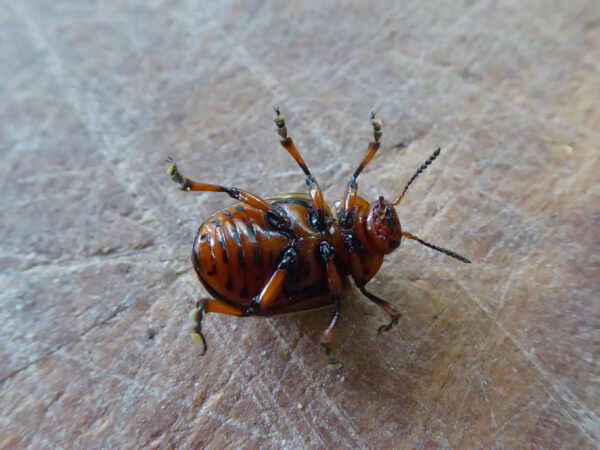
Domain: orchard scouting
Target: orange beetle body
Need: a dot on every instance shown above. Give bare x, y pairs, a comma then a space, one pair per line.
235, 252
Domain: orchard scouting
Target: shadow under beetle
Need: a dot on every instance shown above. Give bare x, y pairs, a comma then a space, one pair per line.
289, 253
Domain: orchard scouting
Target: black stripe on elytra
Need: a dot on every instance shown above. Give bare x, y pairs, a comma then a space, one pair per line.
244, 292
213, 271
235, 235
256, 256
270, 259
216, 222
240, 209
222, 244
227, 214
241, 260
251, 233
229, 285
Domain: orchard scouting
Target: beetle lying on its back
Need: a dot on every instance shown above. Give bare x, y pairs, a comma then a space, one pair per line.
289, 253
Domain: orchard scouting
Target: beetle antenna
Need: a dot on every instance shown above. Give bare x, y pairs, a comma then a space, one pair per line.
455, 255
416, 174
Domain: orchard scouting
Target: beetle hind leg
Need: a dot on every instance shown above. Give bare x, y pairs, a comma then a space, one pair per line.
188, 185
198, 336
204, 306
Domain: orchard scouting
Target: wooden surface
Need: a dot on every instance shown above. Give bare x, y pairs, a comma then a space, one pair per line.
96, 280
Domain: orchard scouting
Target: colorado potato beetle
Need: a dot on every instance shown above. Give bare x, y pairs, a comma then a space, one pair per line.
291, 253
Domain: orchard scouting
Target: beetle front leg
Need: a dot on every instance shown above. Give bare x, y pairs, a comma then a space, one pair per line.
320, 220
394, 314
351, 192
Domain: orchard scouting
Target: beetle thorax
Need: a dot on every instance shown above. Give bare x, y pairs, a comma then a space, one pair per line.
382, 226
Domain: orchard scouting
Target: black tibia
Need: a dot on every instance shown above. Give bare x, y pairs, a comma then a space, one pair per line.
389, 309
274, 286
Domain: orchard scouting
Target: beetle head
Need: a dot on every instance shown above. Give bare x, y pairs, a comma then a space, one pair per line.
382, 226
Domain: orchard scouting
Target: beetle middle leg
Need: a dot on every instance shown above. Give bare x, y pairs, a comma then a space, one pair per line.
335, 286
319, 222
274, 286
394, 314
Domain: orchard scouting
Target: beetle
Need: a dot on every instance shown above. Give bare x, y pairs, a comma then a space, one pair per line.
292, 253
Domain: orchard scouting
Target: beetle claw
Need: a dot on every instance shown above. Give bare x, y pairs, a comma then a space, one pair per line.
199, 337
388, 326
334, 364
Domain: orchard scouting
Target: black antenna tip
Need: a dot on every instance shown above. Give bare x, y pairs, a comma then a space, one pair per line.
276, 109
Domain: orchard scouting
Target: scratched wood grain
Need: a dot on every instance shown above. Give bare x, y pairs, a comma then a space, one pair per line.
96, 282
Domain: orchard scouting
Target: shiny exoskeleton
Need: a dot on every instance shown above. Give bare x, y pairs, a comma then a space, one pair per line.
291, 253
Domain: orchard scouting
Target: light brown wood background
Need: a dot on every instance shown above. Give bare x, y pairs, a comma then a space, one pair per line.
96, 281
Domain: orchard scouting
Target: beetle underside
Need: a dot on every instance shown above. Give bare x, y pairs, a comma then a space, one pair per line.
289, 253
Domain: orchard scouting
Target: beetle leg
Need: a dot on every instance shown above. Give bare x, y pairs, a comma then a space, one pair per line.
207, 305
328, 333
394, 314
243, 196
319, 221
335, 286
274, 286
351, 191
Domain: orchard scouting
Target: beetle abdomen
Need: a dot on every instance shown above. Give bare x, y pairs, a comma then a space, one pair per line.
235, 253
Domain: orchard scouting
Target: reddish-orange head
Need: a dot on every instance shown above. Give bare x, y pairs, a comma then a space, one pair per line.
382, 226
